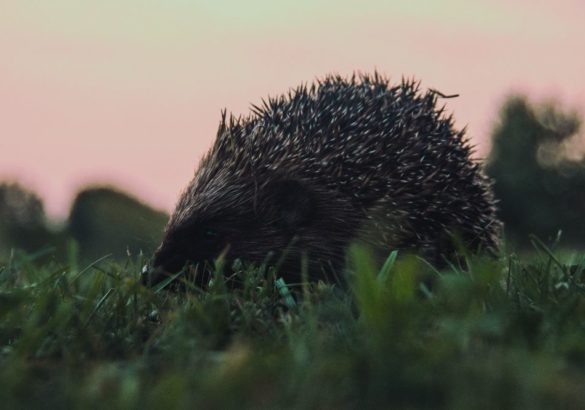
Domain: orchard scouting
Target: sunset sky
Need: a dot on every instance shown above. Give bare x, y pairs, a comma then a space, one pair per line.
129, 92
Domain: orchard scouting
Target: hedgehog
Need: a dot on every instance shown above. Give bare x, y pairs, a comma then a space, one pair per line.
338, 161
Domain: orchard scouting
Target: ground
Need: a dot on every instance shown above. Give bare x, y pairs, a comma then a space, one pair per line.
507, 333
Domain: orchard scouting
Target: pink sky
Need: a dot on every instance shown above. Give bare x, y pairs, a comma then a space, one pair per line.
130, 92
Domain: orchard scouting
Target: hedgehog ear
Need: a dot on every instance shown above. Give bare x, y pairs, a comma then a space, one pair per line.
291, 203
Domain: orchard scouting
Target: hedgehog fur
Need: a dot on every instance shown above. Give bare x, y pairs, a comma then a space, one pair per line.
337, 161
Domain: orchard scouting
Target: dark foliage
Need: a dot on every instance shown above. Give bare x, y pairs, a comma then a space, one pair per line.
22, 220
106, 221
540, 187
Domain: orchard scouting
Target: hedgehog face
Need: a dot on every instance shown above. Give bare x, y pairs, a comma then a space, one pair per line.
249, 221
195, 241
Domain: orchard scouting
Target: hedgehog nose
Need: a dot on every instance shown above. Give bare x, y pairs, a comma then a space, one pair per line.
151, 276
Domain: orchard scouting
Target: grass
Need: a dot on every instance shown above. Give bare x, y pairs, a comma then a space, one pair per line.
506, 334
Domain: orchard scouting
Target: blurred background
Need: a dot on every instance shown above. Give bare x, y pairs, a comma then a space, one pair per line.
106, 107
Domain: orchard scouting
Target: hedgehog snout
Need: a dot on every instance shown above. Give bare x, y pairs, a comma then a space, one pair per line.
151, 276
164, 263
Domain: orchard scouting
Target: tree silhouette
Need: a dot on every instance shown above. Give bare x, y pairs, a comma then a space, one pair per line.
106, 221
539, 179
22, 219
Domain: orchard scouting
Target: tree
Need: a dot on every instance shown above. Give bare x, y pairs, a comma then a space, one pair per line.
539, 178
106, 221
22, 219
